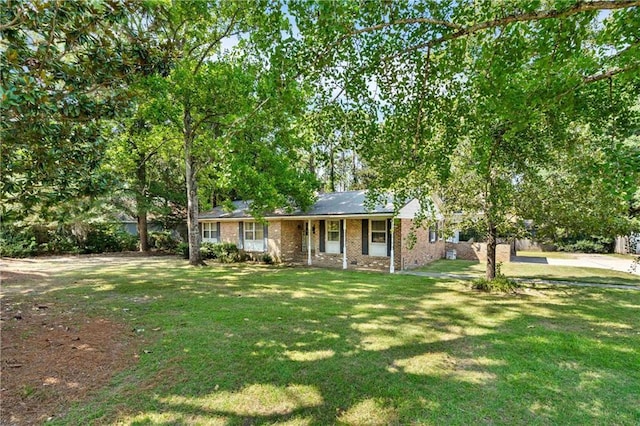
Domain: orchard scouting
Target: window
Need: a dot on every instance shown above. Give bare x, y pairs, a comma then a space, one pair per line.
253, 236
433, 234
379, 231
378, 238
210, 232
333, 230
333, 236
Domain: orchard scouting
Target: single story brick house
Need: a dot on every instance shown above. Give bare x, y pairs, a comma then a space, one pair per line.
337, 231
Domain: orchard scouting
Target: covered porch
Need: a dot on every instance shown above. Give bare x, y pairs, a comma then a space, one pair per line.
342, 242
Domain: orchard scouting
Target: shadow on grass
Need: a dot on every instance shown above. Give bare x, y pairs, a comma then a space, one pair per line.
253, 345
530, 259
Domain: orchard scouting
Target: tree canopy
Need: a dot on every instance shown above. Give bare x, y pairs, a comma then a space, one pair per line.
64, 67
482, 102
506, 110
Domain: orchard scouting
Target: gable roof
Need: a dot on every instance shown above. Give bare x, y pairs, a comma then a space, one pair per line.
349, 203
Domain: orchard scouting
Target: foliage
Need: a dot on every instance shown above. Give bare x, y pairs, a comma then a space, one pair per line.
183, 250
207, 251
103, 238
17, 242
163, 240
234, 109
57, 240
500, 283
228, 253
71, 238
586, 245
266, 258
222, 252
476, 101
63, 68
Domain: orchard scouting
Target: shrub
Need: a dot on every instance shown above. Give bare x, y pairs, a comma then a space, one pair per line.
163, 240
208, 251
587, 245
266, 258
227, 253
76, 238
59, 242
104, 238
183, 250
17, 243
499, 283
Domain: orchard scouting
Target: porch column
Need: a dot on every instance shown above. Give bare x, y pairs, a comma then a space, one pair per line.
344, 244
392, 266
309, 243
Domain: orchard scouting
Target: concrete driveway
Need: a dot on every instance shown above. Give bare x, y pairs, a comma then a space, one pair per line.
585, 260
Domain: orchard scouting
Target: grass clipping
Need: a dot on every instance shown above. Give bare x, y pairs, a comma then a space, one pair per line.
499, 284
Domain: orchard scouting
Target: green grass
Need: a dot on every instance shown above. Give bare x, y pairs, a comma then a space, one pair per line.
536, 271
264, 345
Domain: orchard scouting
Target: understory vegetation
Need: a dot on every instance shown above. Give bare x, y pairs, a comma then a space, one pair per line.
74, 239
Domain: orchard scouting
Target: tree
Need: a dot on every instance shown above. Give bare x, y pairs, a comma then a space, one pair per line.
235, 111
471, 100
335, 160
64, 69
144, 158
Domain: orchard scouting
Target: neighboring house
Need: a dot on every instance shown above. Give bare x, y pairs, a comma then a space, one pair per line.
129, 224
337, 231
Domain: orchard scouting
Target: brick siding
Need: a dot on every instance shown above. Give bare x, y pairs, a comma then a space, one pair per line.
478, 251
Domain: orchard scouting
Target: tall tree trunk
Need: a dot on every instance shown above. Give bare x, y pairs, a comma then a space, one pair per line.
332, 171
193, 229
141, 203
354, 170
312, 164
491, 250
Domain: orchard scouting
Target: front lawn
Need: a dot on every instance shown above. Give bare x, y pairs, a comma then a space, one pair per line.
266, 345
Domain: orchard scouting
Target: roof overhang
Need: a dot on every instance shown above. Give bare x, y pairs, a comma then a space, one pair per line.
299, 217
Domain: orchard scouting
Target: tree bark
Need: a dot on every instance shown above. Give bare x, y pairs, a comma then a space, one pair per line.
141, 203
491, 250
332, 171
193, 230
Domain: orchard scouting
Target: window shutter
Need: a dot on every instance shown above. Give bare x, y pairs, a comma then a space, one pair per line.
218, 232
200, 228
265, 229
342, 236
321, 231
388, 237
241, 235
365, 236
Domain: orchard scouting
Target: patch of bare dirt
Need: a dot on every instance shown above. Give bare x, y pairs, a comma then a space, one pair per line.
54, 355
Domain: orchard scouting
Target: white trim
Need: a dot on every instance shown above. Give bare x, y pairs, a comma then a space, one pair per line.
344, 244
309, 242
211, 228
392, 266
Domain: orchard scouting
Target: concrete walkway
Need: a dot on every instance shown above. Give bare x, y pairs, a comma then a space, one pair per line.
584, 260
523, 280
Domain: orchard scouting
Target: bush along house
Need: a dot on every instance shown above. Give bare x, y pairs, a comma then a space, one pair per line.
338, 231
